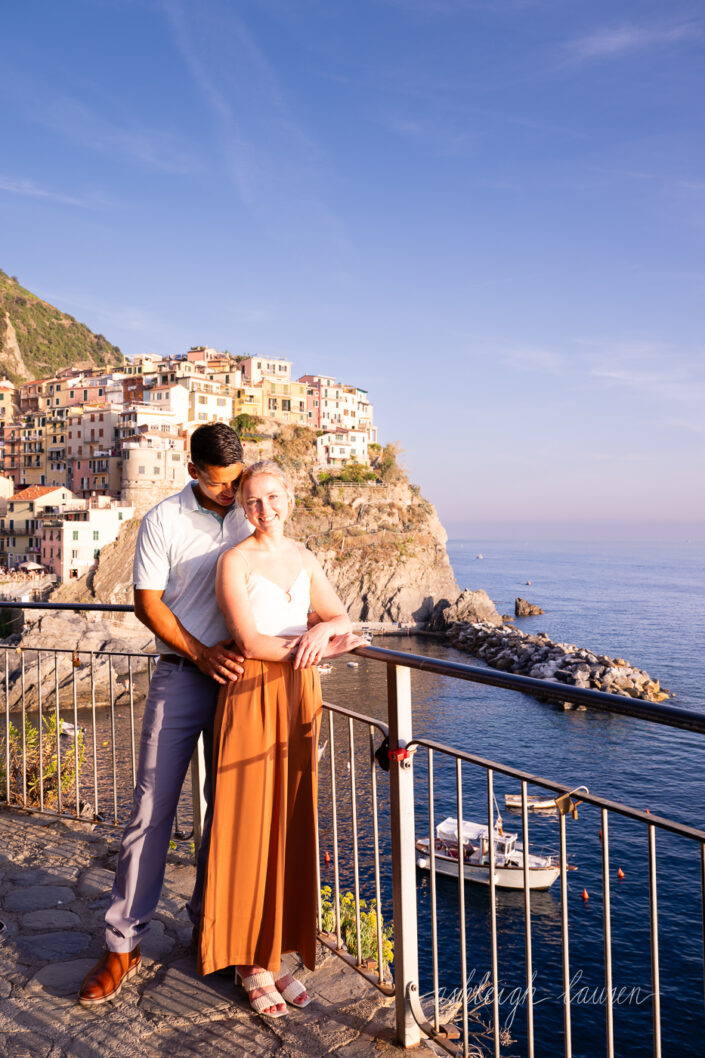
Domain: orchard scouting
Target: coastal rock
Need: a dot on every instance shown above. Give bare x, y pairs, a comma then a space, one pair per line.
522, 608
470, 606
511, 650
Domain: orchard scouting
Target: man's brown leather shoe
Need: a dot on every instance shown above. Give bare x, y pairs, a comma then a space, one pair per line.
108, 976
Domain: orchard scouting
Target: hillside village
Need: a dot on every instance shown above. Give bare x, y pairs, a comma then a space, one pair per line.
86, 450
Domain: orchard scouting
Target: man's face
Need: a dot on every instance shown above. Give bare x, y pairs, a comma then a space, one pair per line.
217, 484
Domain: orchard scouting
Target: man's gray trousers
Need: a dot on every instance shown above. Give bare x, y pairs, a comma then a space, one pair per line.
180, 705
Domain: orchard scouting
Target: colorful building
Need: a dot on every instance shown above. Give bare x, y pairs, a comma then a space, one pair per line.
20, 529
71, 541
335, 448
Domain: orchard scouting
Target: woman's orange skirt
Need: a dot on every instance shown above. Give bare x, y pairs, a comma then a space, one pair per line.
260, 894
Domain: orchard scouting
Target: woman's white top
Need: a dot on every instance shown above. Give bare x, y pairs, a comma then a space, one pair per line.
278, 612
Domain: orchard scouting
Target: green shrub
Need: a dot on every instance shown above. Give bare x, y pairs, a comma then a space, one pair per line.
49, 760
245, 424
348, 926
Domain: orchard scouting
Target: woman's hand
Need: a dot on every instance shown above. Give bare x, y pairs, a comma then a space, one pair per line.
312, 646
343, 644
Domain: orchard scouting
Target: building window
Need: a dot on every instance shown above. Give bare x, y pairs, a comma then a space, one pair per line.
75, 534
140, 470
96, 534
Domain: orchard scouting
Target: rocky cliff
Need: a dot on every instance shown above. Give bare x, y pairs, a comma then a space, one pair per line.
380, 542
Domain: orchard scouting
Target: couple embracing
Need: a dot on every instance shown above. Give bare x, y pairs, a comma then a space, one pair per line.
242, 615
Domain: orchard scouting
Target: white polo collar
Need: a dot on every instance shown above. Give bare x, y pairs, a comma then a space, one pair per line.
188, 501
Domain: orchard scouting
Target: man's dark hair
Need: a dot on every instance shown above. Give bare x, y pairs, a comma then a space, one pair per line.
215, 445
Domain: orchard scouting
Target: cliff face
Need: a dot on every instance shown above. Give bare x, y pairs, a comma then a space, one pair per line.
381, 545
11, 360
36, 339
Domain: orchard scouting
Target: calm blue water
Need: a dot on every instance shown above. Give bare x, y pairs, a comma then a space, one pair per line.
645, 603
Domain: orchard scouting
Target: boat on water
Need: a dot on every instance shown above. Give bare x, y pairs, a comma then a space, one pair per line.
508, 856
353, 664
68, 730
534, 802
324, 668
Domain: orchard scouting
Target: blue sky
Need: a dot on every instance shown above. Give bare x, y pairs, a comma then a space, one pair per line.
489, 213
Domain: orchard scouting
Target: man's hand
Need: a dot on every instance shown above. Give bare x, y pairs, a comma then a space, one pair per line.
221, 662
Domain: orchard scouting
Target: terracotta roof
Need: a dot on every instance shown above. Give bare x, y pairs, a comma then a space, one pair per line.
34, 492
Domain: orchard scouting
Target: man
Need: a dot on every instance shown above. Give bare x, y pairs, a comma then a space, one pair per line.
178, 546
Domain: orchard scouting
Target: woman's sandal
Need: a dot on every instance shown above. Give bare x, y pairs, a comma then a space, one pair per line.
292, 992
271, 998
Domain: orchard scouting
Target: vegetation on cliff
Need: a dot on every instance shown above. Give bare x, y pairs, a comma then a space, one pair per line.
37, 340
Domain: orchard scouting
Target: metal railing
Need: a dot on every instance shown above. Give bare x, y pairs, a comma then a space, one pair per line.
68, 706
372, 831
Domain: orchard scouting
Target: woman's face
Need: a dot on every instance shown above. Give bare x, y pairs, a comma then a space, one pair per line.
265, 501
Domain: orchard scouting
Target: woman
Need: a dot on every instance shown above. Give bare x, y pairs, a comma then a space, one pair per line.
260, 895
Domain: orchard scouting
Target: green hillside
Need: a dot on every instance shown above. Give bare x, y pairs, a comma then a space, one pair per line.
48, 339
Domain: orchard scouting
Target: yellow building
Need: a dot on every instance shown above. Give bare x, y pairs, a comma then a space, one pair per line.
247, 400
285, 402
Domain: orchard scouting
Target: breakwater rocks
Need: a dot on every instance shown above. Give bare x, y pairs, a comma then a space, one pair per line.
511, 650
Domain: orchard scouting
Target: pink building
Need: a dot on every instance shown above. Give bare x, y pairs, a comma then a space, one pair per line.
316, 385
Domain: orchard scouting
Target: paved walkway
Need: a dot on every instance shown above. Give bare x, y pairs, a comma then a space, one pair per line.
55, 877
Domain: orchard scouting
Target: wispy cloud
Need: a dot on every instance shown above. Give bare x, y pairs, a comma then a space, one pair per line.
261, 137
28, 189
649, 369
620, 40
545, 361
152, 148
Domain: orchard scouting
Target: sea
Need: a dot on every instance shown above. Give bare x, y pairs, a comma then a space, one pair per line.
644, 602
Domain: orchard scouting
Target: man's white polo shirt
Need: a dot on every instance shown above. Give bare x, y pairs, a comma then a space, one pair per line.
178, 547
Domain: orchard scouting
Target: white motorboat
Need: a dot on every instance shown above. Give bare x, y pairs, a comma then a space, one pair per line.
324, 668
508, 856
68, 730
534, 802
353, 664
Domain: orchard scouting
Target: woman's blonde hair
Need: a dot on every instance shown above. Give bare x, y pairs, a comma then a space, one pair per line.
266, 466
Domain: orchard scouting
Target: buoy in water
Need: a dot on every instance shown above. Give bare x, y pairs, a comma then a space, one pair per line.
600, 835
620, 873
585, 895
327, 857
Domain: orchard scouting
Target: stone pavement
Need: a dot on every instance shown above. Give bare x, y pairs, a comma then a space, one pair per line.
55, 877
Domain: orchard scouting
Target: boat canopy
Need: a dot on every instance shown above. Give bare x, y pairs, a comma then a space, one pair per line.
448, 831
